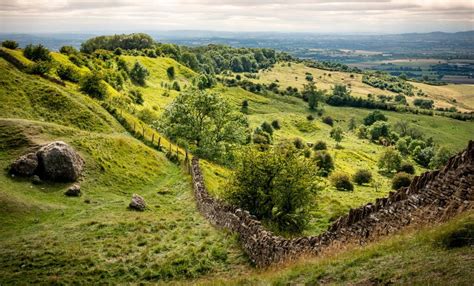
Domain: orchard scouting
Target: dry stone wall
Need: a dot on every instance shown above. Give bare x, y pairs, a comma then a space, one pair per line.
433, 196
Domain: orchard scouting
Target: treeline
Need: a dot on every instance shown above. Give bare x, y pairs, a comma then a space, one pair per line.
211, 59
385, 81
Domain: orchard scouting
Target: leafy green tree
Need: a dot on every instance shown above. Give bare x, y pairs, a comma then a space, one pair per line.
374, 117
402, 146
274, 185
94, 86
190, 60
341, 90
313, 95
337, 134
390, 160
440, 158
378, 129
401, 180
9, 44
206, 121
139, 73
423, 156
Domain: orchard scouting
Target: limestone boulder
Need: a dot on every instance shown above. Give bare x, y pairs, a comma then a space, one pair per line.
57, 161
73, 191
25, 166
137, 203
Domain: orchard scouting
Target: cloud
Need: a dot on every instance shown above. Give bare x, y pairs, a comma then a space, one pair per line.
237, 15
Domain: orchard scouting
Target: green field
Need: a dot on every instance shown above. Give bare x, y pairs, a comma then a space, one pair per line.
47, 238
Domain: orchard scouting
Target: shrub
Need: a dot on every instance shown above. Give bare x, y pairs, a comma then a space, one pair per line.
378, 129
139, 73
320, 145
423, 156
68, 50
37, 53
170, 72
328, 120
390, 160
266, 127
274, 185
361, 132
40, 68
310, 117
298, 142
408, 168
440, 158
337, 135
324, 163
402, 146
341, 181
67, 72
424, 103
362, 176
176, 86
401, 180
373, 117
276, 124
10, 44
460, 235
137, 96
93, 86
245, 106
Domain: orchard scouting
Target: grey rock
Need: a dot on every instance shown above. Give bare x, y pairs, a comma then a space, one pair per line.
36, 180
25, 166
73, 191
137, 203
57, 161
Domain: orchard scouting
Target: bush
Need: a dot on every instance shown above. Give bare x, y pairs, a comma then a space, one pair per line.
298, 142
401, 180
373, 117
390, 160
274, 185
139, 73
310, 117
68, 50
266, 127
276, 124
361, 132
37, 53
137, 96
10, 44
407, 168
423, 156
320, 145
40, 68
341, 181
459, 236
328, 120
440, 158
94, 87
324, 163
362, 176
176, 86
378, 129
170, 72
67, 72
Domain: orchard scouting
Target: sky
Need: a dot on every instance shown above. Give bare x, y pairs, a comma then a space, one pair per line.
318, 16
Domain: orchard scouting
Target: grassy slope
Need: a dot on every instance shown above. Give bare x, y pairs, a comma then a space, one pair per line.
294, 76
410, 258
46, 236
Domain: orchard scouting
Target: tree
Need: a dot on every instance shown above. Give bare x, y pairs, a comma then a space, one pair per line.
440, 158
324, 163
68, 50
320, 145
402, 146
67, 72
94, 86
337, 135
390, 160
170, 72
139, 73
373, 117
407, 168
341, 90
10, 44
362, 176
313, 95
266, 127
274, 185
378, 129
423, 156
352, 124
206, 121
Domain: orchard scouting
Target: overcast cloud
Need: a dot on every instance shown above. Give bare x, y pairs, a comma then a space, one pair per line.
320, 16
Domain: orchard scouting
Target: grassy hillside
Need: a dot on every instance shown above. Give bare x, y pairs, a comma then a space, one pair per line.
50, 238
294, 75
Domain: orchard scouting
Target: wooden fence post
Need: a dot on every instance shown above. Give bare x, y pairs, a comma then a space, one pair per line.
159, 142
152, 138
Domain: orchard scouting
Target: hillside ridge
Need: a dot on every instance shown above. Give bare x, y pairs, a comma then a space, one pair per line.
432, 197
